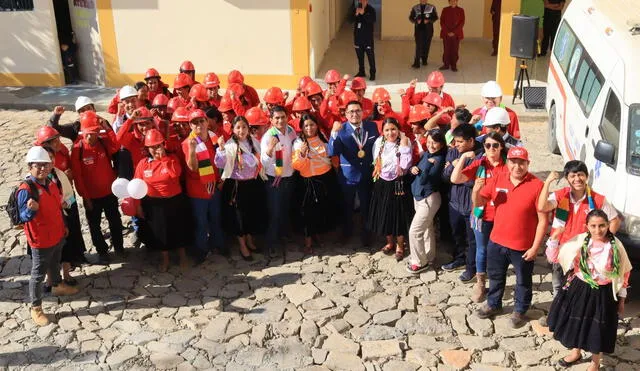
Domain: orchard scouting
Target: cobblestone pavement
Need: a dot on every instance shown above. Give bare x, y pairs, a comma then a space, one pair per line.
343, 309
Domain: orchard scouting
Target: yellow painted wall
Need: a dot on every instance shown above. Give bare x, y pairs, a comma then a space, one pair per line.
396, 25
29, 50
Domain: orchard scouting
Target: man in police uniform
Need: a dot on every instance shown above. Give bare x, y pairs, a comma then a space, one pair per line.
364, 18
422, 16
550, 23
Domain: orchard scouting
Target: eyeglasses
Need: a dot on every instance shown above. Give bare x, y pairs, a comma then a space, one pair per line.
40, 165
492, 145
354, 112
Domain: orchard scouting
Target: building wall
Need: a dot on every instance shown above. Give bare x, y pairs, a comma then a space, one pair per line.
325, 19
84, 21
29, 51
396, 25
226, 30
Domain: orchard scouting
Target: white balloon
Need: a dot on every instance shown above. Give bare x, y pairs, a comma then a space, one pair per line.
119, 188
137, 188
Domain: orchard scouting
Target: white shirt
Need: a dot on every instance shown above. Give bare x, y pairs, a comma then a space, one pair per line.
286, 140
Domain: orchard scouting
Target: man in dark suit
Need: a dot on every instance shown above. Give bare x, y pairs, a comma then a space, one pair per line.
353, 142
364, 18
422, 16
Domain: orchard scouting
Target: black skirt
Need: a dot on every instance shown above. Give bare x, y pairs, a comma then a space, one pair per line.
584, 318
244, 207
316, 202
166, 224
74, 248
391, 207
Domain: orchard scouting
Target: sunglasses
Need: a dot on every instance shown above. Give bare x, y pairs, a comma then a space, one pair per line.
492, 145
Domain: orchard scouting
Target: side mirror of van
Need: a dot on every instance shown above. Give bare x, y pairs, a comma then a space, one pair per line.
605, 152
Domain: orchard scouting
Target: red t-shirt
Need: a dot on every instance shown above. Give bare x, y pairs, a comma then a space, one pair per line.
516, 215
470, 172
162, 176
195, 188
93, 173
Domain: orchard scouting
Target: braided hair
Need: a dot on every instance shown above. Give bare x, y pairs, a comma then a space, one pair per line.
236, 140
584, 252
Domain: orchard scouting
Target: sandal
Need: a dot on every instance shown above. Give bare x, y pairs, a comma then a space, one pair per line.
387, 249
399, 252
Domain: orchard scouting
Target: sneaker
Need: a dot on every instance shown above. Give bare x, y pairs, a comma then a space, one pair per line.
466, 276
64, 290
487, 312
415, 268
453, 266
518, 320
38, 316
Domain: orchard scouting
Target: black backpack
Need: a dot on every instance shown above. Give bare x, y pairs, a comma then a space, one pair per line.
12, 205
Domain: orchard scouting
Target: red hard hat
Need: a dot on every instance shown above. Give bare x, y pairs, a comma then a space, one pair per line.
225, 104
181, 114
160, 100
153, 137
332, 76
199, 92
45, 134
151, 72
304, 80
435, 79
256, 117
174, 104
381, 95
274, 96
211, 80
237, 89
182, 80
187, 66
197, 114
346, 97
89, 122
145, 114
235, 77
434, 99
418, 113
312, 88
358, 84
301, 104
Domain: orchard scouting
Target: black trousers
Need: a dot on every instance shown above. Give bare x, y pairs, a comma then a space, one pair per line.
549, 28
360, 51
423, 36
108, 204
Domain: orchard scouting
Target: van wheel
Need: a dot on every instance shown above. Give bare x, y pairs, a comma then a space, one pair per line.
552, 142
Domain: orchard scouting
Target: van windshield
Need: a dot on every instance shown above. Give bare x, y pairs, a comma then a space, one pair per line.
633, 159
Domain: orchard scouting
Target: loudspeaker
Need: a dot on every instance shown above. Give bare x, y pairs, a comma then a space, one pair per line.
524, 36
534, 97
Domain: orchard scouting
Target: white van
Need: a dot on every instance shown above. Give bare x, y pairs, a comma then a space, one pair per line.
593, 100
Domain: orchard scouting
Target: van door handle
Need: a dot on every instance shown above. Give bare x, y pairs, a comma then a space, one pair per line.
586, 132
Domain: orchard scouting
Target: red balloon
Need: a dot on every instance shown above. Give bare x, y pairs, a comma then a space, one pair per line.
129, 206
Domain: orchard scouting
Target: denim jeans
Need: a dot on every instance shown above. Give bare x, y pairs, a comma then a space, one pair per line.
207, 218
43, 261
465, 241
279, 207
482, 240
498, 259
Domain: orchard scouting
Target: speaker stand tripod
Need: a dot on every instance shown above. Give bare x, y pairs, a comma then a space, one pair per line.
517, 91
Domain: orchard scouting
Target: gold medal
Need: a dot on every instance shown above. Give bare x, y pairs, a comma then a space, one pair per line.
361, 153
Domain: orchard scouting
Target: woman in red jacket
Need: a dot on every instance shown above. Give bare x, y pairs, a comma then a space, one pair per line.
451, 25
163, 208
382, 110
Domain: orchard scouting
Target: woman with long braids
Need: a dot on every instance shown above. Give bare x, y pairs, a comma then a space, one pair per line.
243, 191
391, 207
584, 314
316, 197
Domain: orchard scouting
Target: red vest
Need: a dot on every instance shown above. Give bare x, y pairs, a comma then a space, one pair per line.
576, 221
46, 229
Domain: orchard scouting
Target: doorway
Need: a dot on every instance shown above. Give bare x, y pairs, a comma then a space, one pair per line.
67, 41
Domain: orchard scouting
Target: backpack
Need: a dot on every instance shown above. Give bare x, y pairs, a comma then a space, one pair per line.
12, 204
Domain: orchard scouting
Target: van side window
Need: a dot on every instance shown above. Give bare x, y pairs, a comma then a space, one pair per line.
563, 46
610, 123
587, 83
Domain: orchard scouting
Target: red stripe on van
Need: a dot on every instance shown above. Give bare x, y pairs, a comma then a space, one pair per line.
564, 110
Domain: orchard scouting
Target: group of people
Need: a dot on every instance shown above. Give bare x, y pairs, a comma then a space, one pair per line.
228, 164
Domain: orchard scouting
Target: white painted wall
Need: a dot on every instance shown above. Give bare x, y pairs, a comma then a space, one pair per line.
325, 19
90, 62
30, 40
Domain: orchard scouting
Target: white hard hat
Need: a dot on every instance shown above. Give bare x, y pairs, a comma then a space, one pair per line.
496, 116
83, 101
38, 154
127, 91
491, 89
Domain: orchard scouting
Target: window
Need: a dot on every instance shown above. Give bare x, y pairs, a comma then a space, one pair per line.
15, 5
586, 82
610, 123
563, 46
633, 141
